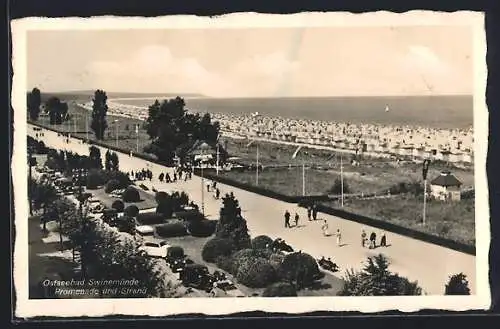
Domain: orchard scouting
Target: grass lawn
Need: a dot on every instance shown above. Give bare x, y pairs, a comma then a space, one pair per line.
452, 220
192, 246
147, 200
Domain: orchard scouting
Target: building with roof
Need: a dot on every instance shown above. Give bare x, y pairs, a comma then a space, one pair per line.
446, 187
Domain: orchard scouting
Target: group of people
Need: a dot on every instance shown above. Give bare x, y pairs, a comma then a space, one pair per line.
144, 174
287, 219
372, 243
214, 189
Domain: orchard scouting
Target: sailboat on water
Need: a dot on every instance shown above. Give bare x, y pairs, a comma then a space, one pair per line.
387, 108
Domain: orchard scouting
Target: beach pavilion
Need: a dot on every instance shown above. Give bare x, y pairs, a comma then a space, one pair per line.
202, 151
446, 187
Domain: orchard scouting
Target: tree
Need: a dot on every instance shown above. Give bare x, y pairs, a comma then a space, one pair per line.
376, 280
34, 102
169, 126
113, 158
57, 110
99, 110
232, 225
107, 160
337, 187
41, 196
457, 285
95, 157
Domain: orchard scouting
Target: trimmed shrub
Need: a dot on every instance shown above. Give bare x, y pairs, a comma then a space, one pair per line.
301, 269
131, 195
276, 260
256, 273
245, 255
224, 263
112, 185
171, 230
132, 211
261, 242
202, 228
189, 215
94, 179
280, 289
150, 218
118, 205
125, 224
176, 252
216, 247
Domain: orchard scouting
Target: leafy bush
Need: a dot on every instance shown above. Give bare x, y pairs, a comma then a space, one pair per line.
189, 215
150, 218
256, 273
95, 178
457, 285
337, 187
132, 211
170, 230
112, 185
224, 263
216, 247
164, 204
280, 289
125, 224
261, 242
131, 195
276, 259
202, 228
301, 269
414, 188
118, 205
245, 255
176, 252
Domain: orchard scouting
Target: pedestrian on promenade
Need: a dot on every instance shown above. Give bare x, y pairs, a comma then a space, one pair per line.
373, 239
208, 187
324, 228
287, 219
363, 238
339, 237
185, 176
167, 178
309, 212
175, 177
161, 177
315, 212
217, 193
296, 219
214, 185
383, 240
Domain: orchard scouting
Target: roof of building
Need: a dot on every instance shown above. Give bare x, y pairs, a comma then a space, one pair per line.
446, 179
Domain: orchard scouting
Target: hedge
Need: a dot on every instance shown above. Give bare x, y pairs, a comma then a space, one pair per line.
261, 242
171, 230
131, 195
301, 269
150, 218
132, 210
112, 185
118, 205
245, 255
280, 289
216, 247
201, 229
256, 273
224, 263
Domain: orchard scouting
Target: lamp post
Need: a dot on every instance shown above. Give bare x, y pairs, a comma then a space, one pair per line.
116, 132
425, 169
137, 135
87, 125
303, 170
341, 181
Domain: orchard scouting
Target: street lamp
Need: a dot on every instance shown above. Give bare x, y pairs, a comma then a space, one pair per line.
116, 132
425, 168
303, 170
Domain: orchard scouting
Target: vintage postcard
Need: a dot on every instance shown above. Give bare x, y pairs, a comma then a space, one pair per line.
281, 163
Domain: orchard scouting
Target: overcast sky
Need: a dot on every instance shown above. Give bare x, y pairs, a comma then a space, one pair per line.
287, 62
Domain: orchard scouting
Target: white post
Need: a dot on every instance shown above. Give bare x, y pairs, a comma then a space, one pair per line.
257, 168
425, 201
303, 178
341, 182
217, 166
137, 133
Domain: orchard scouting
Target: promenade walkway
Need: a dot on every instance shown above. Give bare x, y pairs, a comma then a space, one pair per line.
429, 264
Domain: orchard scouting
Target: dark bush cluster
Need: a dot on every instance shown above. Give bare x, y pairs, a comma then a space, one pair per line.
150, 218
172, 229
111, 185
201, 228
132, 211
131, 195
414, 188
216, 247
125, 224
118, 205
301, 269
280, 289
256, 272
261, 242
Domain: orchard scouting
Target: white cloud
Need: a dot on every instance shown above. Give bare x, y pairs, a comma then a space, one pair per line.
160, 71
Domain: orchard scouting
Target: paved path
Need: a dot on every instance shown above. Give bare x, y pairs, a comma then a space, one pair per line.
429, 264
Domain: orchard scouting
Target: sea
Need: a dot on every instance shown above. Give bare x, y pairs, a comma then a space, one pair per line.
446, 112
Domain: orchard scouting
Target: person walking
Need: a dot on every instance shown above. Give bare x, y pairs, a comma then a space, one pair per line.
309, 213
296, 219
162, 175
338, 235
217, 193
324, 228
208, 187
383, 240
287, 219
373, 239
363, 238
315, 212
